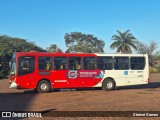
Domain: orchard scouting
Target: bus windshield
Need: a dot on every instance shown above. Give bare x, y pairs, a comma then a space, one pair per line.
13, 67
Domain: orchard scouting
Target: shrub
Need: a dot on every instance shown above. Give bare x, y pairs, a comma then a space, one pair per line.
4, 65
158, 69
152, 70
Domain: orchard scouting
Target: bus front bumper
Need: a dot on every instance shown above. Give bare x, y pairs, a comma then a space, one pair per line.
13, 85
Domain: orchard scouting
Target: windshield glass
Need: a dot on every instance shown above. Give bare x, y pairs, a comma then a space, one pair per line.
13, 68
13, 65
26, 65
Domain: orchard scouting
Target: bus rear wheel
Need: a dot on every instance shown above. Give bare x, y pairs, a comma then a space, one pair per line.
108, 84
43, 86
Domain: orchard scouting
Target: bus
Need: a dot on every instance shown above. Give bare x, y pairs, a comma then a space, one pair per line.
45, 71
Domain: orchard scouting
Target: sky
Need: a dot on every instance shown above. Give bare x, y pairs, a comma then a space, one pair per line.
45, 22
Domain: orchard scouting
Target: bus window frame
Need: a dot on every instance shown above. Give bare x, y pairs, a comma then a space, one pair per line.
61, 57
94, 63
121, 57
137, 63
106, 57
34, 61
45, 59
81, 68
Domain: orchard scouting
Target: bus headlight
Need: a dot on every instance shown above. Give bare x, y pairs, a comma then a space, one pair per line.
13, 84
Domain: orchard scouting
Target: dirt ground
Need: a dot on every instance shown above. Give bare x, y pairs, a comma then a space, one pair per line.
131, 98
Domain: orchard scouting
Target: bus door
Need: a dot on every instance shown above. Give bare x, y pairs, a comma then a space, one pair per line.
26, 68
136, 73
60, 73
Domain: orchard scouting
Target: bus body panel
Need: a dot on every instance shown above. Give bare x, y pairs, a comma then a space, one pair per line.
119, 76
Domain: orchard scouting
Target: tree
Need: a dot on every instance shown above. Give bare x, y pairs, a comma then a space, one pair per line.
124, 41
142, 48
4, 64
9, 45
150, 50
158, 57
79, 42
53, 48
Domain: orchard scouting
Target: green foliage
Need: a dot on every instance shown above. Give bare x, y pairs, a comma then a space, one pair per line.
79, 42
123, 42
4, 64
8, 46
53, 48
158, 69
158, 57
152, 70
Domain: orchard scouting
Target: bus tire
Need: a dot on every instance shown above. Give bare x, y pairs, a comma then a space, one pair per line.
43, 86
108, 84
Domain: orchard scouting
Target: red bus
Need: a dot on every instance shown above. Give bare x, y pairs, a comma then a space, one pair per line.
45, 71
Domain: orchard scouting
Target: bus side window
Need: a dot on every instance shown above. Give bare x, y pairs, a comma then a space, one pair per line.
44, 63
60, 63
74, 63
137, 63
48, 65
105, 63
89, 63
121, 63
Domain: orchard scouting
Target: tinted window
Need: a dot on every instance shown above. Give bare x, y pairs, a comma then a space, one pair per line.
89, 63
13, 67
121, 63
105, 63
74, 63
44, 63
60, 63
26, 65
137, 63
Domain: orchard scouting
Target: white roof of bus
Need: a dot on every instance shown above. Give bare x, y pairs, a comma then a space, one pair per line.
121, 54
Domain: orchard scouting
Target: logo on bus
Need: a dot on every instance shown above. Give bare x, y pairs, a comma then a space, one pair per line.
72, 74
125, 72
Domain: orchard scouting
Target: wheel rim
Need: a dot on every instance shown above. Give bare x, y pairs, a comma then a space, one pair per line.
44, 87
109, 85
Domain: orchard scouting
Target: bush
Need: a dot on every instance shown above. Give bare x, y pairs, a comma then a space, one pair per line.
158, 69
152, 70
4, 65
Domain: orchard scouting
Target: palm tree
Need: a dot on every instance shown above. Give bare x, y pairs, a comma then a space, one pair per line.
124, 41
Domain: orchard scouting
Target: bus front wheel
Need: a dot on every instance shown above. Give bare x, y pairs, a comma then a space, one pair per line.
108, 84
43, 86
